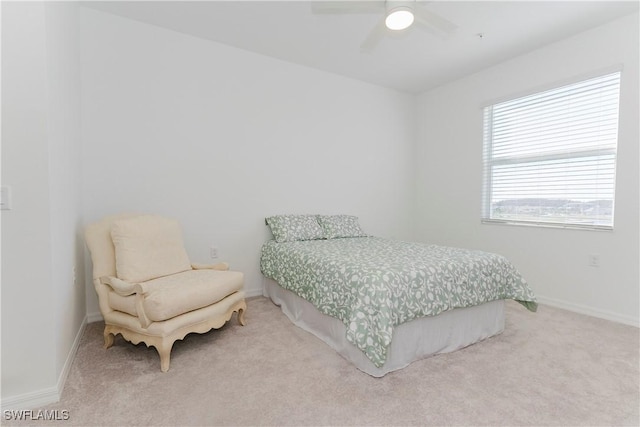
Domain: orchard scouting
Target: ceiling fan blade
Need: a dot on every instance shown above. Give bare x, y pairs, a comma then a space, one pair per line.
434, 21
374, 37
346, 7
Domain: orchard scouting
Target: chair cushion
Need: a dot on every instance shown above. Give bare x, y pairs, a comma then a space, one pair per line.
148, 247
180, 293
100, 244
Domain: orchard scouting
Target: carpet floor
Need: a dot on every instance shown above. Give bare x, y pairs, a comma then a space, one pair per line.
550, 368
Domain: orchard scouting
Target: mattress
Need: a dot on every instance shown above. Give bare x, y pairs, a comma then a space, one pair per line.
412, 341
374, 285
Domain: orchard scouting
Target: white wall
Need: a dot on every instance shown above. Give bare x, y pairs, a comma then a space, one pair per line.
27, 293
554, 261
42, 310
63, 128
219, 138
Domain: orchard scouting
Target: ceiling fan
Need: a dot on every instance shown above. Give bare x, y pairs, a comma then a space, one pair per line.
397, 16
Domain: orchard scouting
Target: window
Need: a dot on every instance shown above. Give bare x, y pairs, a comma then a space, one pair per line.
550, 157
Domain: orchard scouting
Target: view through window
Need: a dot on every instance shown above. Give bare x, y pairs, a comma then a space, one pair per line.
550, 157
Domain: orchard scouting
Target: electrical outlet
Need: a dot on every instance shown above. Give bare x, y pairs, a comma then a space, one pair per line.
213, 252
5, 198
594, 260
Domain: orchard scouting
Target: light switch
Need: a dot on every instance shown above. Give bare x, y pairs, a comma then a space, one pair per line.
5, 198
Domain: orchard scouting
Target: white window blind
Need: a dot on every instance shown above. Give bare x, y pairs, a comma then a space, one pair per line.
550, 157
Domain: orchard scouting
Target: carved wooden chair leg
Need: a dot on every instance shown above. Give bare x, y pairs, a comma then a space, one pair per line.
241, 316
108, 338
164, 350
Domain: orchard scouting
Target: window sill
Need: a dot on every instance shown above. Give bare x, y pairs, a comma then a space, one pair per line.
547, 225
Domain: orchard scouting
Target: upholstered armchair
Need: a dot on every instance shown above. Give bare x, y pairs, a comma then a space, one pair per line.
149, 291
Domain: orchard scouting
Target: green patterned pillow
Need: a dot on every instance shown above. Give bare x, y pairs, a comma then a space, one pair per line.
335, 226
289, 228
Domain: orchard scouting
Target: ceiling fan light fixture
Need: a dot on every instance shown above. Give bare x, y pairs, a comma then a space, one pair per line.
399, 18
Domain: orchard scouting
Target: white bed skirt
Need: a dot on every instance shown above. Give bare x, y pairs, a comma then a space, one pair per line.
415, 340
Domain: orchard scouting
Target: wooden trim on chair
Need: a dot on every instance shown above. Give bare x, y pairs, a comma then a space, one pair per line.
164, 344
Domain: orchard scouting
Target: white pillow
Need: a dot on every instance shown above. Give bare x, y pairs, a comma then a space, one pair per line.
148, 247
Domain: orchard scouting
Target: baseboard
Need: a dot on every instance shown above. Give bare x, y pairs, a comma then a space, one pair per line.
38, 398
62, 378
253, 293
32, 399
589, 311
96, 316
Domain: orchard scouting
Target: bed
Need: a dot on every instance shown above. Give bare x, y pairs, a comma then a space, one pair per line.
384, 303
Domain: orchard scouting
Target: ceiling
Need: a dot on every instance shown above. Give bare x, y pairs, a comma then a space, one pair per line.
413, 60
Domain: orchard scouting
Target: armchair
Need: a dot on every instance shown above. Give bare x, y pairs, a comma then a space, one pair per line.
149, 291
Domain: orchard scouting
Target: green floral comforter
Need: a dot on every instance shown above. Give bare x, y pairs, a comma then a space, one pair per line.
373, 284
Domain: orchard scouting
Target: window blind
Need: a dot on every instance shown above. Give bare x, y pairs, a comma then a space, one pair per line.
550, 157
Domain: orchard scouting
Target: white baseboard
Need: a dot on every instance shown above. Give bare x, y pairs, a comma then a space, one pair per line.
47, 395
96, 316
62, 379
253, 292
32, 399
589, 311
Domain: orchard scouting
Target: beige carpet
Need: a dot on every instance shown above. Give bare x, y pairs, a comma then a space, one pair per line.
548, 368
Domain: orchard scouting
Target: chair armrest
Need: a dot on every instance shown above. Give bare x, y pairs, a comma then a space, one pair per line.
125, 289
219, 266
120, 287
